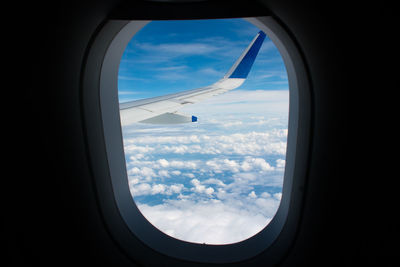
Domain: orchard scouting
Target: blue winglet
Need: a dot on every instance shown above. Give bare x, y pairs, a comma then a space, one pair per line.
194, 118
243, 68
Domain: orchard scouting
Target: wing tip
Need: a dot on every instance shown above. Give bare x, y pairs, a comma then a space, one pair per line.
243, 68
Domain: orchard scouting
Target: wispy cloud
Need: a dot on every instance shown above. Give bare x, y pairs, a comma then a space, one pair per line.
171, 76
178, 49
210, 72
172, 68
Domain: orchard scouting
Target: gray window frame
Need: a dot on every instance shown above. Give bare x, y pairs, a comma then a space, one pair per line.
129, 228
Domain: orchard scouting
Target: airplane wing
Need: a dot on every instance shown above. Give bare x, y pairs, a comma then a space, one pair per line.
163, 109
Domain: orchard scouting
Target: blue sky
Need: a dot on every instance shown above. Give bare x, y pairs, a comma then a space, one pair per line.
171, 56
218, 180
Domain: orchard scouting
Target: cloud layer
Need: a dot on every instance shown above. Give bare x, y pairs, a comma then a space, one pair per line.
217, 181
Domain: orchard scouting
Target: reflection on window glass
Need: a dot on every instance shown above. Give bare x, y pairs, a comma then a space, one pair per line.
217, 180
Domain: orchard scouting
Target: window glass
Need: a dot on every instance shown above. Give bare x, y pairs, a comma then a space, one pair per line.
218, 179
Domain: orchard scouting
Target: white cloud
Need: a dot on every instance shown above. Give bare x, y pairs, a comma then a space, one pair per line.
234, 123
219, 165
163, 173
190, 175
144, 189
163, 138
183, 164
214, 181
280, 163
252, 194
210, 222
257, 163
176, 172
176, 188
157, 189
265, 195
163, 163
267, 205
181, 149
178, 49
255, 101
145, 172
210, 72
250, 143
199, 188
209, 190
171, 76
132, 149
278, 196
248, 164
172, 68
213, 178
140, 189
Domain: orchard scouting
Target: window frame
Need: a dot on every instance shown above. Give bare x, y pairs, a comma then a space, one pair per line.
126, 224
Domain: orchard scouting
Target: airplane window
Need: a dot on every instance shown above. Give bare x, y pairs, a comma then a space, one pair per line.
204, 108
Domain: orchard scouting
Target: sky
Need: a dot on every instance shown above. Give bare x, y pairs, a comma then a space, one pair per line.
171, 56
219, 180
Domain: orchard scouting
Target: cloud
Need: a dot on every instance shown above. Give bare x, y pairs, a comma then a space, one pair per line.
163, 162
190, 175
214, 181
183, 164
143, 172
211, 221
171, 76
253, 194
176, 188
172, 68
276, 74
210, 72
144, 189
199, 188
131, 149
265, 102
163, 173
140, 189
217, 181
280, 163
158, 189
250, 143
256, 163
212, 46
219, 165
178, 49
